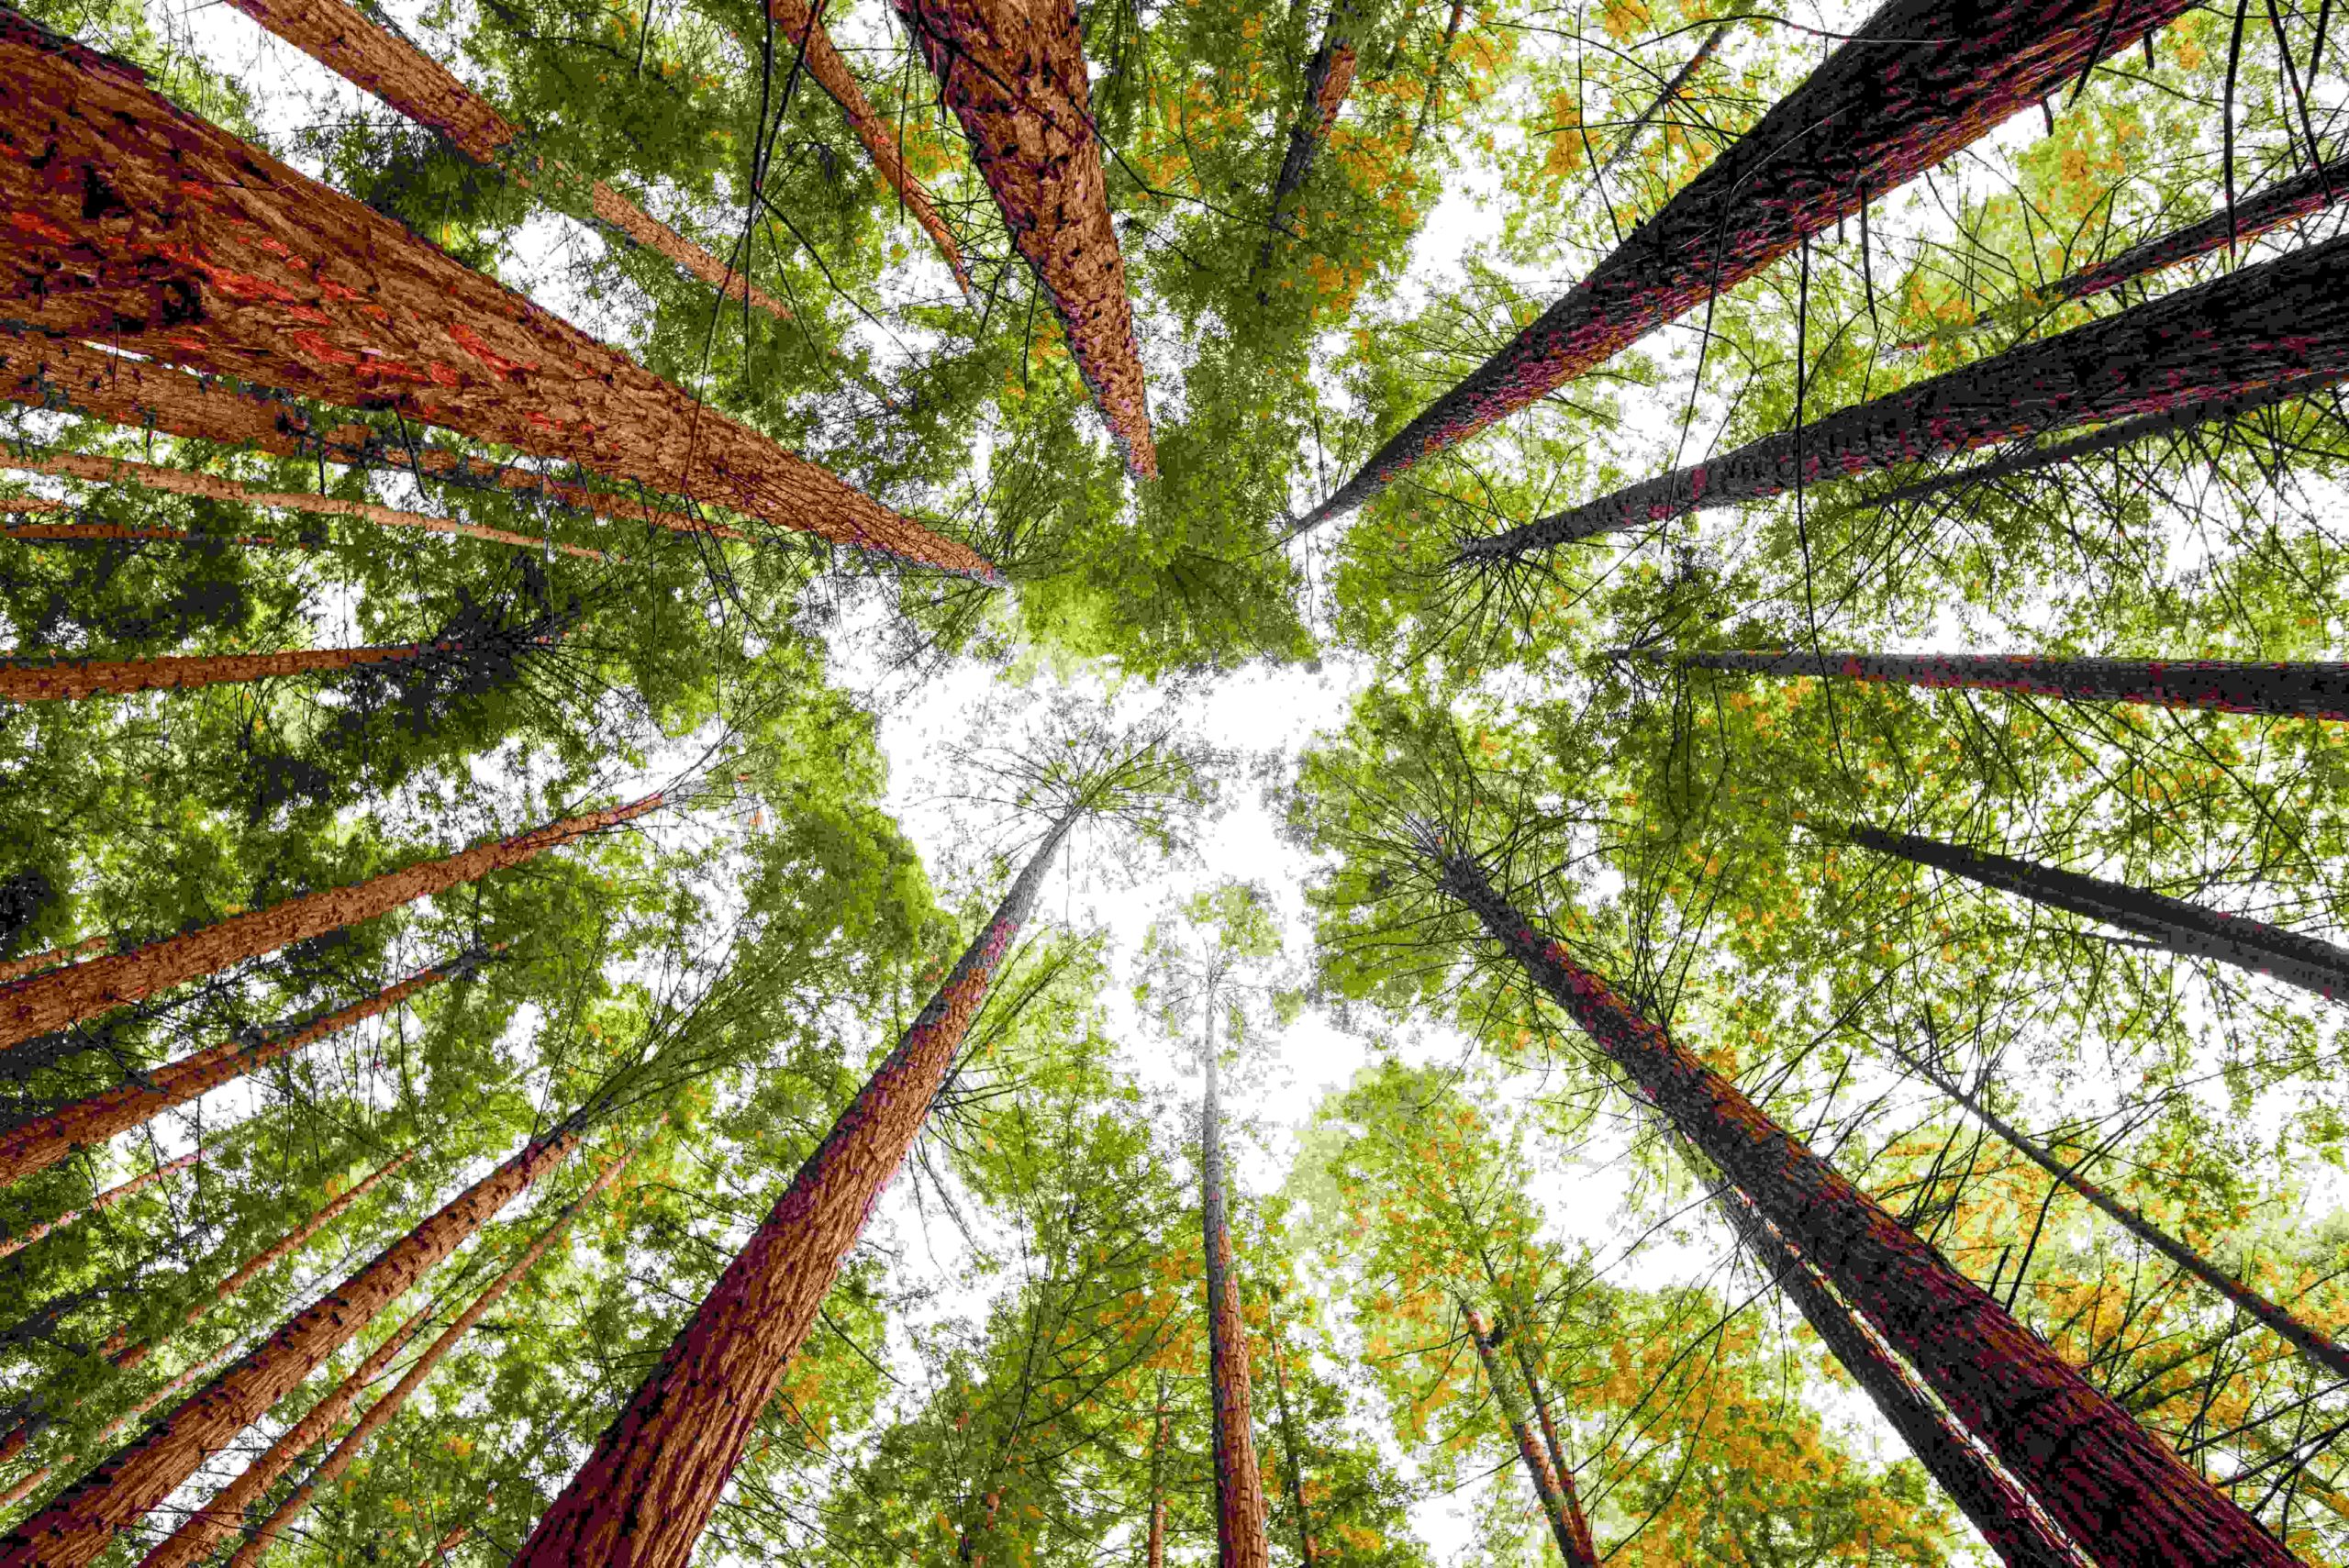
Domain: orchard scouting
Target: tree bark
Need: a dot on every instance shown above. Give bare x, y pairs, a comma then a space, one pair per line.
2173, 924
103, 1201
33, 1480
1154, 1556
1922, 79
2304, 690
2111, 1484
77, 1526
49, 1002
17, 968
2285, 320
646, 1493
1015, 76
70, 679
380, 1413
2304, 195
1568, 1528
449, 1542
2020, 1536
1239, 1487
1538, 1402
139, 226
1329, 77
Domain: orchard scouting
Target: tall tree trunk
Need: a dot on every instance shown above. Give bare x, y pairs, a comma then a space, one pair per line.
1568, 1528
17, 968
42, 1141
1538, 1401
48, 1002
1155, 1555
78, 1525
184, 481
2307, 690
2113, 1486
1015, 75
99, 1204
2323, 1352
1329, 77
646, 1493
1239, 1488
1291, 1454
1920, 81
35, 1479
1662, 101
1427, 105
184, 244
2304, 195
2283, 320
70, 679
345, 1452
1987, 1495
2172, 925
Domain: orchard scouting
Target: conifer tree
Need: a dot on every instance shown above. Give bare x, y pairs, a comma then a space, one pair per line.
2302, 690
1239, 1486
74, 680
1553, 1487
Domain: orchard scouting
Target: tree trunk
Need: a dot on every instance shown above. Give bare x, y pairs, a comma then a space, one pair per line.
373, 57
2175, 926
1567, 1525
78, 1525
1329, 77
69, 680
49, 1002
1987, 1496
33, 1480
2302, 196
448, 1543
646, 1493
2306, 691
36, 1145
1435, 80
104, 1200
180, 481
2113, 1486
1538, 1402
2325, 1354
1922, 79
1239, 1488
1015, 76
17, 968
1661, 102
1155, 1555
1292, 1454
378, 1414
148, 229
2285, 320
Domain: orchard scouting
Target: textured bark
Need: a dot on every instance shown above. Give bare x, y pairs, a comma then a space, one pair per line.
2112, 1485
1538, 1402
1014, 73
77, 1526
1155, 1554
448, 1543
1662, 100
797, 24
43, 1140
80, 533
33, 1480
2323, 1350
646, 1493
2171, 924
2304, 195
1329, 77
99, 1204
17, 968
69, 680
347, 42
48, 1002
135, 224
1568, 1528
2283, 321
2305, 690
1921, 79
380, 1413
180, 481
1239, 1488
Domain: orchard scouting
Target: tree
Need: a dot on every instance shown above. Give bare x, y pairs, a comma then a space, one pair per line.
2311, 691
101, 1201
28, 680
1553, 1486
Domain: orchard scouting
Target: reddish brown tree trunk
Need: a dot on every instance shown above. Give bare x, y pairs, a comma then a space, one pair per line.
69, 680
2308, 691
448, 1543
51, 1001
1154, 1556
2304, 195
1568, 1528
40, 1143
139, 226
2114, 1487
1015, 75
1329, 77
2285, 320
2020, 1536
77, 1526
17, 968
1539, 1403
1921, 79
646, 1493
1239, 1488
378, 1414
2172, 924
103, 1201
33, 1480
345, 41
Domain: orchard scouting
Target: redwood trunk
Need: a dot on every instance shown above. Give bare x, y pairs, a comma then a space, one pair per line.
378, 1414
1155, 1555
2016, 1532
103, 1201
1922, 79
1567, 1526
2109, 1483
49, 1002
2306, 691
17, 968
1329, 77
1239, 1488
2172, 924
1015, 76
69, 680
2304, 195
76, 1527
33, 1480
646, 1493
1539, 1403
139, 226
2285, 320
